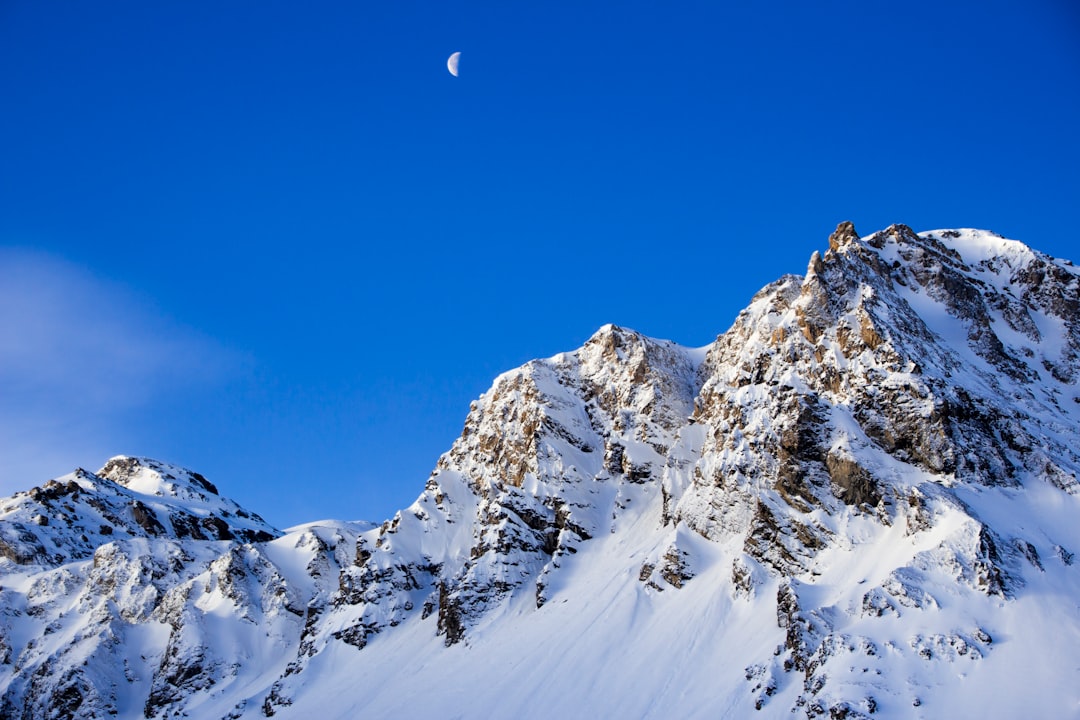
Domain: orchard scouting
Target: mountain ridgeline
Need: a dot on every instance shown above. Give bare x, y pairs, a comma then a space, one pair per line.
859, 501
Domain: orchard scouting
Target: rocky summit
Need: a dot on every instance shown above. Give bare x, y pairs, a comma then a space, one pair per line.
859, 501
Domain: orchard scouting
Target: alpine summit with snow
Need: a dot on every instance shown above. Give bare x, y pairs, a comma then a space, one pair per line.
860, 501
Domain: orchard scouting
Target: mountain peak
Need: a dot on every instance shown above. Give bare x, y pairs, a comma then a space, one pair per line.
860, 490
152, 477
71, 517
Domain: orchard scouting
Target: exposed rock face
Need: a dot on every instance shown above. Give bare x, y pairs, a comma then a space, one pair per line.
873, 469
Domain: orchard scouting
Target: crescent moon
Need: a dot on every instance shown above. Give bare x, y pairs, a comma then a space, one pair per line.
452, 63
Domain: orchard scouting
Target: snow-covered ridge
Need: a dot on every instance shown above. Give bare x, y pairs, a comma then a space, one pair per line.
69, 517
859, 501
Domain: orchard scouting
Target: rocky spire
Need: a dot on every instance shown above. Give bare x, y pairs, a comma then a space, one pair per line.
844, 234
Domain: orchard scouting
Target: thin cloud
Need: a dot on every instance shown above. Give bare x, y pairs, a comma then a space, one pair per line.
79, 359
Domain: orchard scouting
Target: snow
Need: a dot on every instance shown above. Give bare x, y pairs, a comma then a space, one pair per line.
977, 246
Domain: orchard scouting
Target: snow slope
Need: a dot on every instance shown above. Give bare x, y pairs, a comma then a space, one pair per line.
859, 501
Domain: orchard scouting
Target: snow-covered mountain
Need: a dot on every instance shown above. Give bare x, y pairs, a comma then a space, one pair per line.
860, 500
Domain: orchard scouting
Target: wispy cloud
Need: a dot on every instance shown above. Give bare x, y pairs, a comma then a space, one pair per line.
80, 358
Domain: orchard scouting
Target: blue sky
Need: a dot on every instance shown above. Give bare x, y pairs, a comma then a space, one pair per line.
280, 244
